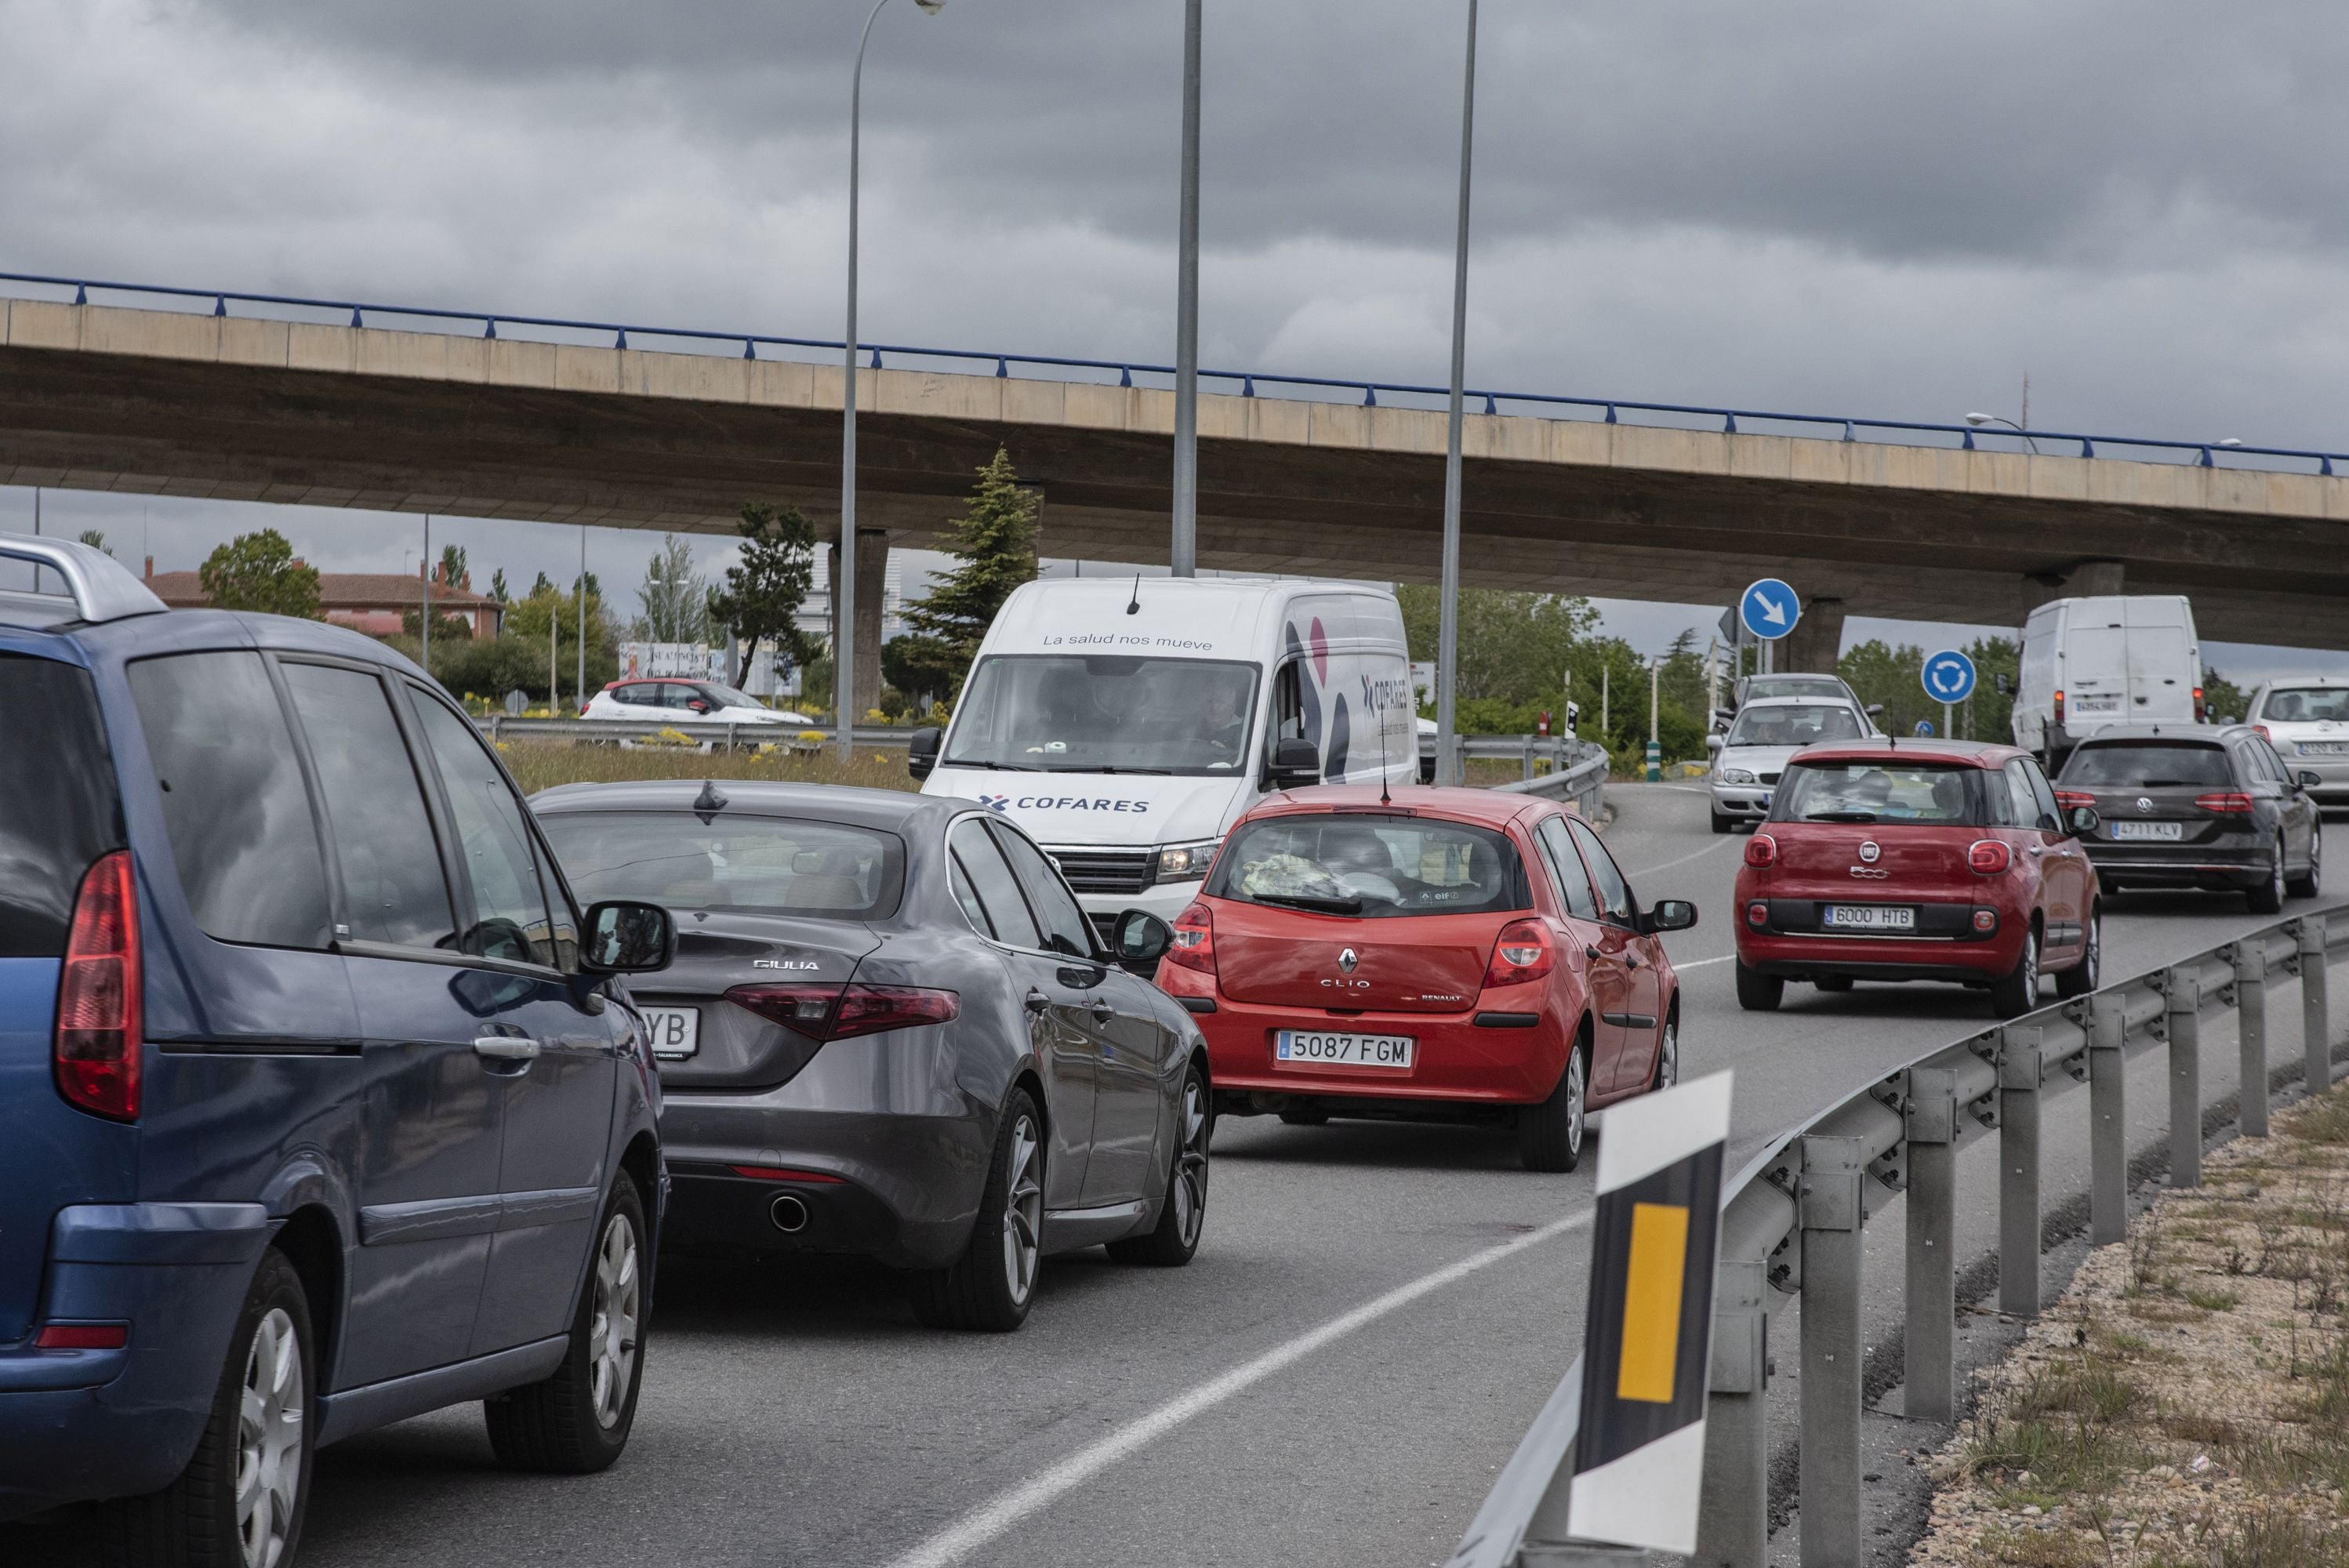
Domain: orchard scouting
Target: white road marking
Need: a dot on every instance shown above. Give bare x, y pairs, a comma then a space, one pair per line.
1700, 963
984, 1523
1651, 870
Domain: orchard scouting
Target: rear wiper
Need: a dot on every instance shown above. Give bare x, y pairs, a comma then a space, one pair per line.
2164, 784
1838, 815
1318, 905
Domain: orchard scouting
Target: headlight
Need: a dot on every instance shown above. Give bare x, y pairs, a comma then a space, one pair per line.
1186, 862
1735, 775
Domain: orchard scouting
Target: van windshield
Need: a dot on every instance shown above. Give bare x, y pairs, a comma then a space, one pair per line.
1793, 725
1105, 713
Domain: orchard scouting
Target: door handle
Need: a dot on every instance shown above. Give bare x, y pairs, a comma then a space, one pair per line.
1038, 1002
1102, 1011
506, 1048
1589, 953
1630, 961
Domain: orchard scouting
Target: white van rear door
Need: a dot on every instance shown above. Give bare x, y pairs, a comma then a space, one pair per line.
2161, 681
2095, 677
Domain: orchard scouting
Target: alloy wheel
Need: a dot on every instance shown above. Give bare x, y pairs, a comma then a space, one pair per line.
1574, 1103
611, 1331
1191, 1166
269, 1440
1023, 1210
2031, 970
2277, 878
2093, 961
1668, 1056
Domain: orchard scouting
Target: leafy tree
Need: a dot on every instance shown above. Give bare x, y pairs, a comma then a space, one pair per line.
1513, 646
674, 597
526, 624
453, 565
498, 584
259, 571
443, 624
921, 667
995, 541
2222, 699
94, 540
764, 590
541, 586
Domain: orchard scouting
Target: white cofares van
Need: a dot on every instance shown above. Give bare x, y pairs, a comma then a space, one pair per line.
2089, 663
1125, 725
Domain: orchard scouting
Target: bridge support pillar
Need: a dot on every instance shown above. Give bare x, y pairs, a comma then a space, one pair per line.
1816, 642
2021, 1068
2183, 988
2107, 1121
2096, 579
872, 587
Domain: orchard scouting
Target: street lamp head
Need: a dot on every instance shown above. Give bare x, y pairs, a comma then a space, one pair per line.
931, 7
2233, 441
1979, 419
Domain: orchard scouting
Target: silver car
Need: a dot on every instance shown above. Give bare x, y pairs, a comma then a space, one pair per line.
2306, 719
891, 1031
1747, 762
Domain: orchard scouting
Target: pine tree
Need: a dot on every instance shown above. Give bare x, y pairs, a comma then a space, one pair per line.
676, 598
453, 565
498, 584
761, 600
995, 542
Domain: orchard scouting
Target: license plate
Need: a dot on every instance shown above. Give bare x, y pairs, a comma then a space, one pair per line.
2165, 831
675, 1031
1869, 917
2324, 748
2107, 703
1342, 1050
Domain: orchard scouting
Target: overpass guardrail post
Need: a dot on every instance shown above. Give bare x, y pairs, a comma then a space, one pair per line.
1928, 1343
2251, 958
2315, 1011
2107, 1024
2181, 990
2021, 1068
1760, 1250
1832, 1213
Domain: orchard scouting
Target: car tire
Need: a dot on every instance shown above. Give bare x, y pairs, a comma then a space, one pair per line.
1182, 1212
259, 1424
577, 1422
2310, 883
2267, 897
1833, 981
990, 1287
1759, 993
1668, 1056
2088, 973
1722, 824
2016, 991
1296, 1118
1550, 1135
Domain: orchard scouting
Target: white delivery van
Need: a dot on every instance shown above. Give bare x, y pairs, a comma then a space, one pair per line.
2089, 663
1126, 724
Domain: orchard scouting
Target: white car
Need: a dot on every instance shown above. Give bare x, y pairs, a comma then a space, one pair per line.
2306, 719
676, 700
1746, 761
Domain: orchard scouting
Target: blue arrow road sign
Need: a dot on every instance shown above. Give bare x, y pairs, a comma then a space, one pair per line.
1770, 609
1948, 677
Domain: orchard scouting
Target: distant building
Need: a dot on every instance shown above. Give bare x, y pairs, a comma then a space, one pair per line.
375, 603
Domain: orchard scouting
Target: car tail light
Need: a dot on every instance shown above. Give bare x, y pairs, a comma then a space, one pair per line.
1985, 920
2200, 712
1757, 914
96, 1048
2072, 800
2262, 730
1761, 849
82, 1336
841, 1012
1989, 856
2225, 803
2059, 707
1525, 952
783, 1174
1195, 940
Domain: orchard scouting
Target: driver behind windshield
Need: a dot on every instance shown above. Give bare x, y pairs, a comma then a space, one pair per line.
1064, 700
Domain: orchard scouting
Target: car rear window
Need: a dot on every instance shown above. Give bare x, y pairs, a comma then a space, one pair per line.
58, 809
759, 865
2146, 765
2306, 705
1873, 790
1361, 864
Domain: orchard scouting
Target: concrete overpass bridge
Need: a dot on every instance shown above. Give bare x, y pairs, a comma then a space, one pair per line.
174, 402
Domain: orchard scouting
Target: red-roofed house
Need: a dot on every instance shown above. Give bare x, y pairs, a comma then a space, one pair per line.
369, 602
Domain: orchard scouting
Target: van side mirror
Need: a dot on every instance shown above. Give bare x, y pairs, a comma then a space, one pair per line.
1140, 939
1669, 914
1293, 762
922, 751
623, 936
1874, 710
2002, 683
2085, 821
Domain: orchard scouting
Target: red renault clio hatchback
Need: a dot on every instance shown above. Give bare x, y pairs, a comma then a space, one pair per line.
1446, 954
1917, 860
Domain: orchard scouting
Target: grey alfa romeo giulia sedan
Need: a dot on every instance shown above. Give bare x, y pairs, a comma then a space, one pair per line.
890, 1030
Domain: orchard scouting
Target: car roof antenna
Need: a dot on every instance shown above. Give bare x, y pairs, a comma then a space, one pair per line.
1384, 798
1134, 606
709, 802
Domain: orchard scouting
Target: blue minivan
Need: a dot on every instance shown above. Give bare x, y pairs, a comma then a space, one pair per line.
321, 1102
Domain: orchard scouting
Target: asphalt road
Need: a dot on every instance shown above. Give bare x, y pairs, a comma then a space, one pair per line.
1374, 1316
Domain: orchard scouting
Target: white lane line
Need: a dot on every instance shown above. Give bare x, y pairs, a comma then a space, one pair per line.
1700, 963
1716, 844
984, 1523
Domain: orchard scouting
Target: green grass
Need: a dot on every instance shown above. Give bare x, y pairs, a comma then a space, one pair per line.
2065, 1426
542, 765
2212, 1300
2321, 1120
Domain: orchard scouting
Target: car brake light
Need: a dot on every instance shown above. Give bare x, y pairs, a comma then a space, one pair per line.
2199, 711
1989, 856
2225, 803
2261, 731
2059, 707
1525, 950
82, 1336
1195, 940
2072, 800
1757, 913
841, 1012
96, 1048
1761, 849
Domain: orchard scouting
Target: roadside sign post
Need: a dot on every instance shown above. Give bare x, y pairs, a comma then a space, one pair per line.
1655, 746
1769, 610
1949, 679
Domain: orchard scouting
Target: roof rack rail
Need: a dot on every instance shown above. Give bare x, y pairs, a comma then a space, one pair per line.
103, 589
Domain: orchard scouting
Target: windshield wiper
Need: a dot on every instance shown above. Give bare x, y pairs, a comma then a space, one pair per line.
1305, 901
1838, 815
1102, 767
999, 766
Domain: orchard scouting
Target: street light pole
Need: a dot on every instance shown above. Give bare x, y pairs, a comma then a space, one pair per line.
844, 586
1183, 552
582, 617
1979, 420
1448, 648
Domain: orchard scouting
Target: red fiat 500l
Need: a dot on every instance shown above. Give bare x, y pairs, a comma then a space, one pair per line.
1453, 954
1917, 860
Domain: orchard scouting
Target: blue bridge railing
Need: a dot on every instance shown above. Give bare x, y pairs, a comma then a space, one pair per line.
1610, 410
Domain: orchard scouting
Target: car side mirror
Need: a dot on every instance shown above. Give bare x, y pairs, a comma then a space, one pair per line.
921, 750
1294, 761
626, 937
1713, 742
2307, 781
2002, 683
1669, 914
697, 706
2085, 821
1873, 710
1140, 940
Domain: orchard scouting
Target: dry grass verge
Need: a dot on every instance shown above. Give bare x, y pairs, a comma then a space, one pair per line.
2187, 1402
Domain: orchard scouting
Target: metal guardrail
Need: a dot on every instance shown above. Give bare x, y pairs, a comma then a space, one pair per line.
1582, 780
501, 727
1848, 428
1792, 1222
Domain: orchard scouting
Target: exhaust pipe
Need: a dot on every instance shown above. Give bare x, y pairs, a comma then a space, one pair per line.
790, 1214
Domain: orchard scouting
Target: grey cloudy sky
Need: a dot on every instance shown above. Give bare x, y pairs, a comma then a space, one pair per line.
1817, 205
